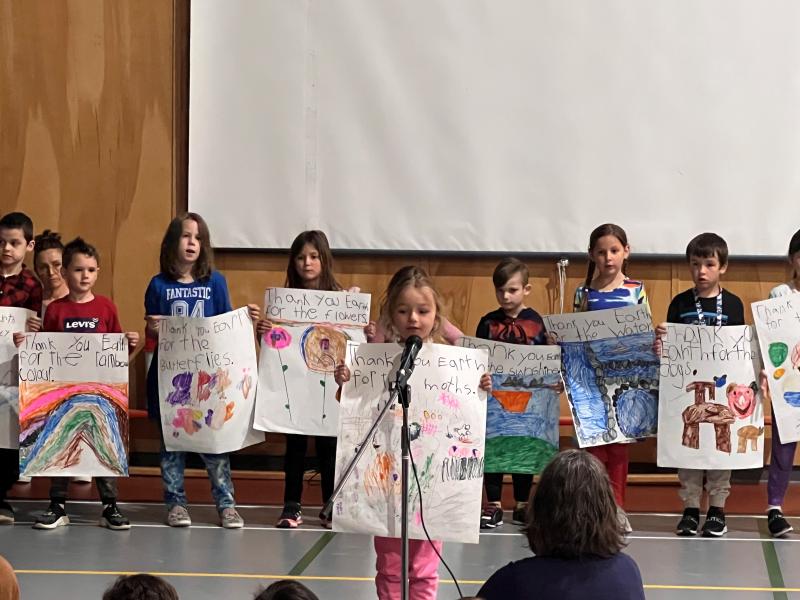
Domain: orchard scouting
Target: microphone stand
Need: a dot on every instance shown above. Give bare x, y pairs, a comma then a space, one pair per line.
399, 389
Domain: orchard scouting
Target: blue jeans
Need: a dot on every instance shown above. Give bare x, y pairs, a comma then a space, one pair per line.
219, 473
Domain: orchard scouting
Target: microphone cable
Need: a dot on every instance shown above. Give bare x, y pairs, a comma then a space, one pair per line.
425, 529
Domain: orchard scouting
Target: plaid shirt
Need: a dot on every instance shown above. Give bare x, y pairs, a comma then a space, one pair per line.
22, 290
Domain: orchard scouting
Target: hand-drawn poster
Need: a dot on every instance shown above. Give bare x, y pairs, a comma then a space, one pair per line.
73, 404
296, 389
12, 320
447, 423
611, 371
523, 407
207, 382
710, 413
777, 322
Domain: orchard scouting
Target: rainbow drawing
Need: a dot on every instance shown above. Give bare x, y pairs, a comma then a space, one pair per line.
73, 429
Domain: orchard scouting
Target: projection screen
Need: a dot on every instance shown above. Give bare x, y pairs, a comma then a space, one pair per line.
496, 125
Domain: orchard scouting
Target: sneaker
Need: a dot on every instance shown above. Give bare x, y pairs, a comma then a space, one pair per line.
624, 523
324, 521
291, 516
6, 513
689, 522
714, 525
82, 479
112, 518
230, 519
491, 517
778, 525
520, 515
54, 516
178, 516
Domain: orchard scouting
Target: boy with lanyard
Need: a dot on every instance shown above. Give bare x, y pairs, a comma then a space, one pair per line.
512, 323
704, 304
19, 288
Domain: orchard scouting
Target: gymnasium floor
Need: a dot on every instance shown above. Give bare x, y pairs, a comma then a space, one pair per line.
79, 561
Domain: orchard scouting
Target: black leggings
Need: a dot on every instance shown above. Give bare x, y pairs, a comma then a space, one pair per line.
9, 470
494, 486
295, 466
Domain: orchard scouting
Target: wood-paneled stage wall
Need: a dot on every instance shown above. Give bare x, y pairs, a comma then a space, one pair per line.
93, 112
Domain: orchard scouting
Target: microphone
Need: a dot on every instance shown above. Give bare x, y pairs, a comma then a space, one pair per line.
413, 346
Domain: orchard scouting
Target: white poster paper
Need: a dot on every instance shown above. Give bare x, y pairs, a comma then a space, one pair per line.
611, 371
207, 382
73, 404
710, 414
311, 329
447, 423
777, 322
12, 320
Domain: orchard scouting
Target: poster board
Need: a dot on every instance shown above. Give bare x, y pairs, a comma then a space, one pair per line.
12, 320
311, 329
523, 407
207, 382
447, 418
73, 405
611, 373
710, 410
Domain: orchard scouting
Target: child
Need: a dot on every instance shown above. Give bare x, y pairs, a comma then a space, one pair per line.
411, 307
188, 286
513, 323
81, 305
310, 267
704, 304
18, 288
47, 262
782, 461
607, 286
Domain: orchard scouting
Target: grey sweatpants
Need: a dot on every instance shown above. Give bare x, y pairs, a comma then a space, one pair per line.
718, 486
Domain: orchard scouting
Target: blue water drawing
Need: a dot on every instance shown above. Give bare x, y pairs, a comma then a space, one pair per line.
540, 418
607, 380
792, 399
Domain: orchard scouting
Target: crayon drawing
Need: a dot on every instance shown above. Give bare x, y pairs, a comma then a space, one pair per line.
523, 407
447, 418
778, 324
73, 429
710, 413
612, 386
297, 392
207, 399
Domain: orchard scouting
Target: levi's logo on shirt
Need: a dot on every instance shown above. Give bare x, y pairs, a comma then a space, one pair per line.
80, 324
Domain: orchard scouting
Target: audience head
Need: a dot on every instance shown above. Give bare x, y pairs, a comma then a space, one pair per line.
140, 587
286, 589
573, 513
9, 588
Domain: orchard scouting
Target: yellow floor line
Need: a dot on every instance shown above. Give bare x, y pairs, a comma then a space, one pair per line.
705, 588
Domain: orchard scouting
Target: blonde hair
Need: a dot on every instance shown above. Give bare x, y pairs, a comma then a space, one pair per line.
408, 276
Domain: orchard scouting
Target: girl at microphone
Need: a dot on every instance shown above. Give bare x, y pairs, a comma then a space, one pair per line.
411, 306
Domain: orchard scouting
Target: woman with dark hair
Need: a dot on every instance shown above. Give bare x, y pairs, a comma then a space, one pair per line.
576, 537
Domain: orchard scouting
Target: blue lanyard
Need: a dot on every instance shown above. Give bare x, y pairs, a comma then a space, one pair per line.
701, 316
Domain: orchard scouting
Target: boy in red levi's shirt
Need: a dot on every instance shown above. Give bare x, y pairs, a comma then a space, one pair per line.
81, 311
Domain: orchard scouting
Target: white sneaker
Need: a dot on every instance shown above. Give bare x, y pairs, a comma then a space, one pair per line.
178, 516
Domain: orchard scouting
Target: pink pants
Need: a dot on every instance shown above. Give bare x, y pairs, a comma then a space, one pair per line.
423, 569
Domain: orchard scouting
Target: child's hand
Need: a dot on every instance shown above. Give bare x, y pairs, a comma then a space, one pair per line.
370, 330
486, 382
560, 386
152, 325
254, 310
133, 340
263, 326
552, 340
658, 344
661, 330
33, 324
341, 374
18, 339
